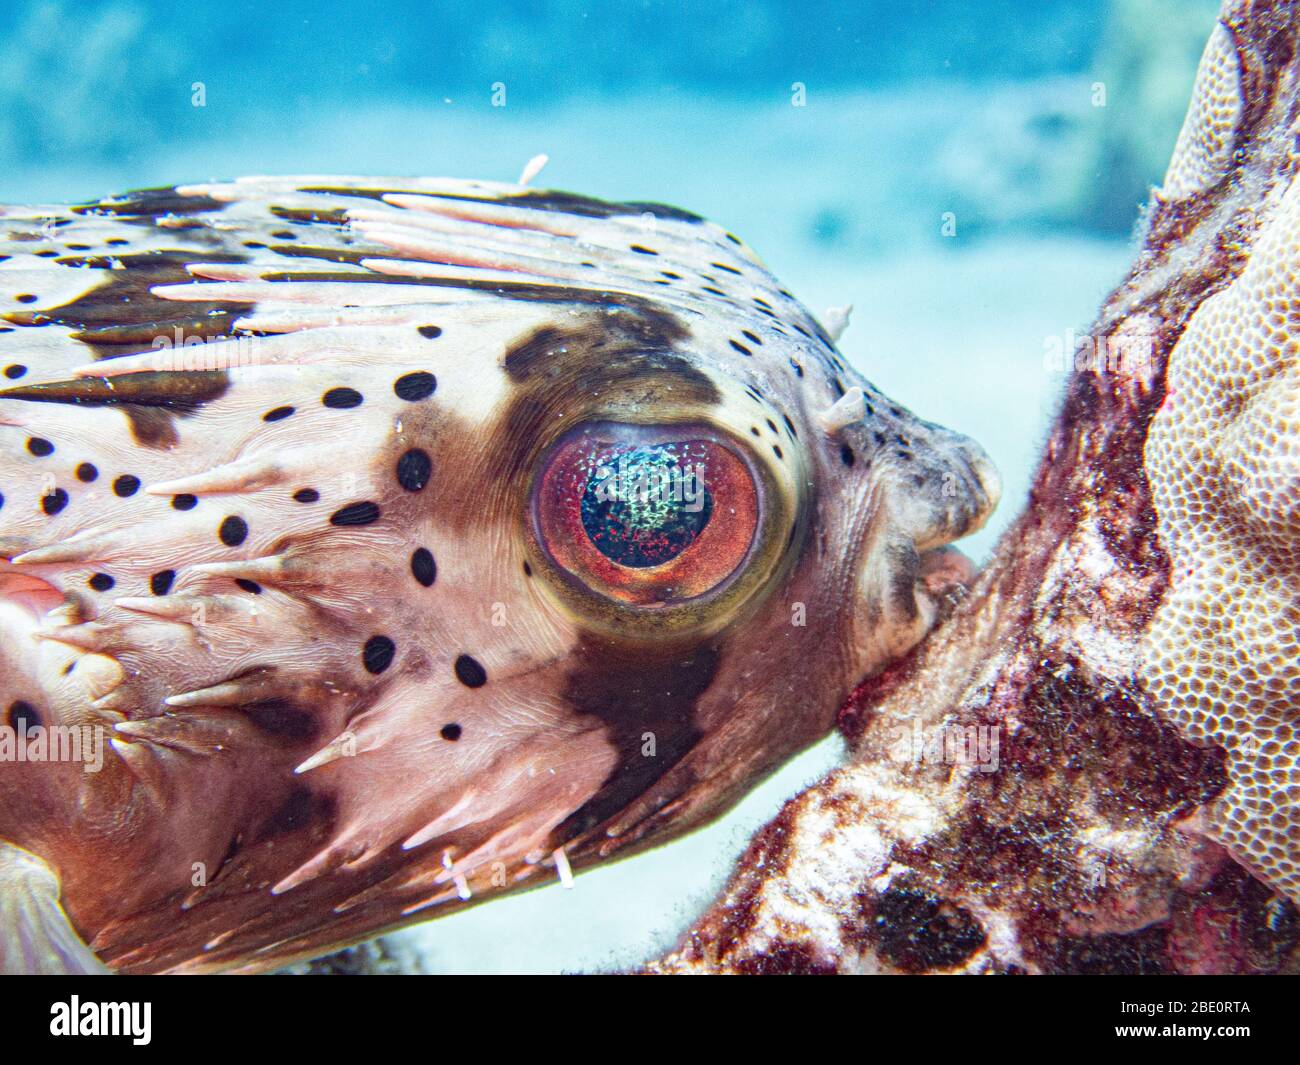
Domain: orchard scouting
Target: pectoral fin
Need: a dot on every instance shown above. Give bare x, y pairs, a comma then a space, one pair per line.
36, 936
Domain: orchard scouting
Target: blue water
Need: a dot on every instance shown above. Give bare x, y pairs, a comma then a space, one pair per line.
949, 167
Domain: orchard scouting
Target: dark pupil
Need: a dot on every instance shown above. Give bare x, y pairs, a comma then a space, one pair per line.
643, 507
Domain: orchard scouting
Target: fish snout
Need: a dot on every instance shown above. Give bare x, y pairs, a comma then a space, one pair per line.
947, 489
926, 486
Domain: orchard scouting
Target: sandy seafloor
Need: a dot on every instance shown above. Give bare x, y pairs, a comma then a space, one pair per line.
841, 202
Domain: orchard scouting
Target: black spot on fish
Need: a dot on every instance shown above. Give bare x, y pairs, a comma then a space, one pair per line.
55, 501
126, 485
184, 501
431, 332
741, 348
413, 470
161, 582
610, 350
377, 655
40, 447
342, 398
102, 582
423, 567
15, 371
252, 587
277, 414
26, 297
306, 495
450, 732
469, 672
414, 387
233, 531
87, 473
356, 514
22, 715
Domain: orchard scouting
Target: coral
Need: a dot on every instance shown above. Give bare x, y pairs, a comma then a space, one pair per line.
1204, 146
1223, 461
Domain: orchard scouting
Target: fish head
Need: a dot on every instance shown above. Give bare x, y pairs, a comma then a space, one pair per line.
513, 539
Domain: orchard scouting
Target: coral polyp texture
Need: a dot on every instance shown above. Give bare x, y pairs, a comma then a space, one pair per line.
1093, 765
1205, 143
1223, 458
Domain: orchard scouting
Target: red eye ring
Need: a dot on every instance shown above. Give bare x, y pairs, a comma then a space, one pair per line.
649, 516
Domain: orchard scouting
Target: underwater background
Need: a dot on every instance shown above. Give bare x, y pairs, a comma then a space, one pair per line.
966, 173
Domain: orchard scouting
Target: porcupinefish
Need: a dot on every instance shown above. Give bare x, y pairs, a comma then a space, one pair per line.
371, 546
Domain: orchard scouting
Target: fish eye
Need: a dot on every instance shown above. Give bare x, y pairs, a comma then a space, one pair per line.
647, 516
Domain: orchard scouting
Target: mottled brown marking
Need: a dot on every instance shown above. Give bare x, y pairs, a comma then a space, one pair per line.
535, 199
624, 352
304, 808
124, 302
149, 205
635, 693
333, 255
334, 216
284, 721
151, 400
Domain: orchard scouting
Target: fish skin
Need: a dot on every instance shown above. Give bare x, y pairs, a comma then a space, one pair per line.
267, 796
